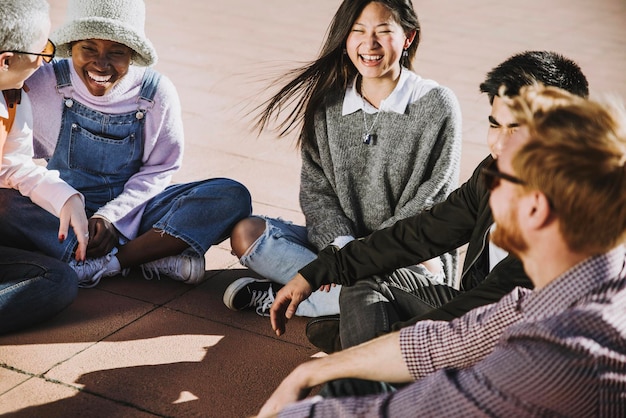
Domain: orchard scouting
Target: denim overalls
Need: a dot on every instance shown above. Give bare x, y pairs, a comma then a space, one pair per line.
96, 153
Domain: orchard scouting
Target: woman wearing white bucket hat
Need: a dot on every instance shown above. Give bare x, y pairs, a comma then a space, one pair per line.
114, 132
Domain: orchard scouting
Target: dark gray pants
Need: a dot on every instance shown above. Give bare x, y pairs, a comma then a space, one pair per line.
371, 306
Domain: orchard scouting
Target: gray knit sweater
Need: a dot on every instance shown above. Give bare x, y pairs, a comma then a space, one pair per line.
349, 188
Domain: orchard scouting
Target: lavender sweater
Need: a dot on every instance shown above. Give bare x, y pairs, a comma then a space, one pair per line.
163, 135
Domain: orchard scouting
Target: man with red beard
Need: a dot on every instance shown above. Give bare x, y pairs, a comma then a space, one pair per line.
556, 350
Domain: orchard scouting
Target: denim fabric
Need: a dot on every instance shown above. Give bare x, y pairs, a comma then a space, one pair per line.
279, 253
33, 288
98, 152
201, 213
373, 305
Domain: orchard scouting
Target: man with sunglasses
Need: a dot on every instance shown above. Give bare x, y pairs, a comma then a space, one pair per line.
379, 289
32, 287
556, 350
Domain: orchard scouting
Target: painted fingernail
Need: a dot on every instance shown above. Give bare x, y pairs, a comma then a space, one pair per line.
61, 238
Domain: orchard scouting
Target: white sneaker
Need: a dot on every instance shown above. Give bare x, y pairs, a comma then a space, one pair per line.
183, 268
92, 270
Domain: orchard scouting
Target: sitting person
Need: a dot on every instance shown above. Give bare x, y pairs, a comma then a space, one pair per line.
33, 287
114, 131
379, 143
464, 217
557, 350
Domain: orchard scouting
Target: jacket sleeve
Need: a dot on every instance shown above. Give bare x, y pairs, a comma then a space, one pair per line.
440, 229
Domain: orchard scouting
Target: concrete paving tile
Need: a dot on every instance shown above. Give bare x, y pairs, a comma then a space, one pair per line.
10, 379
41, 398
94, 315
206, 301
176, 364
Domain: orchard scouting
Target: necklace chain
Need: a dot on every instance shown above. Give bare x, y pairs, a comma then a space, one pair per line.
368, 136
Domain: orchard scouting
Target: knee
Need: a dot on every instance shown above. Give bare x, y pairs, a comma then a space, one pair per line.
65, 282
240, 199
245, 233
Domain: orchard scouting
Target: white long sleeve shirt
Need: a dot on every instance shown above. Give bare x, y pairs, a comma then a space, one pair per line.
19, 171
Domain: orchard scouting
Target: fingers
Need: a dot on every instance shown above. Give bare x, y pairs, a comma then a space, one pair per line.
277, 316
73, 213
103, 237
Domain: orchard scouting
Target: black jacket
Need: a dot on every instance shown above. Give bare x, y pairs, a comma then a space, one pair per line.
463, 218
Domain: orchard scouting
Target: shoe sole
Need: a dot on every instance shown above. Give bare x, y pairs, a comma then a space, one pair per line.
232, 290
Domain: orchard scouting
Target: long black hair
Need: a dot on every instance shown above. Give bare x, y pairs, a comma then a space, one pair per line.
312, 83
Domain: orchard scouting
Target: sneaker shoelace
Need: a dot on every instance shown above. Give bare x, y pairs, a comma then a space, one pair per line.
262, 300
150, 270
88, 282
96, 266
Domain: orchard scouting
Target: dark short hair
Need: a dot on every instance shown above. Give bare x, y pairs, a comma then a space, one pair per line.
532, 67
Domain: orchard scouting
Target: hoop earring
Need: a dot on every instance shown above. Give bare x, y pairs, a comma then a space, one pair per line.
405, 53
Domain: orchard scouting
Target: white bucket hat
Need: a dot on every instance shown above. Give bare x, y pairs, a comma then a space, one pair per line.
119, 21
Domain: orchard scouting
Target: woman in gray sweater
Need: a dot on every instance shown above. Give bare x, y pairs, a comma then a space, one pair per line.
378, 143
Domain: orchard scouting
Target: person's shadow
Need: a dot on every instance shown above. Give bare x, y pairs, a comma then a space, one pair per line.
192, 367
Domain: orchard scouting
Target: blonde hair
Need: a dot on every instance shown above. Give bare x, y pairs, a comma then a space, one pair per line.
576, 157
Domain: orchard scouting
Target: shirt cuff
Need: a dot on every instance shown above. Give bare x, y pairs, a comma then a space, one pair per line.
342, 240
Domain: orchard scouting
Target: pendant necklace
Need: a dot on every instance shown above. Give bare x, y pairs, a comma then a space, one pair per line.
369, 138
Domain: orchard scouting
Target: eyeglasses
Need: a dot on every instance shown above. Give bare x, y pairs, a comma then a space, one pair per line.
47, 54
492, 176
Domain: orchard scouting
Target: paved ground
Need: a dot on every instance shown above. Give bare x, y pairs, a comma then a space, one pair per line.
132, 348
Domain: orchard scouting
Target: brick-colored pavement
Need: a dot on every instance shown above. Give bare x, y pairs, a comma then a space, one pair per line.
137, 348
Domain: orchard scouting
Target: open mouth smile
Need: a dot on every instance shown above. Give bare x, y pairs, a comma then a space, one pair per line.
370, 59
99, 79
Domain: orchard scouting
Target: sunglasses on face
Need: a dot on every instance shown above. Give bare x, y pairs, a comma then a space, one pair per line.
492, 176
47, 54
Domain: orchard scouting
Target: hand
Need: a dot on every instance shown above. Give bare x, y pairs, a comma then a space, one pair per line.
102, 237
73, 213
326, 287
286, 302
292, 389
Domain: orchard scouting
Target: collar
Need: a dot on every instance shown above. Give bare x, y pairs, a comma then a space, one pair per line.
578, 282
12, 97
396, 102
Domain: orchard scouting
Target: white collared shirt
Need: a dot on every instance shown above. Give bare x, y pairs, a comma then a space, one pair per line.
410, 88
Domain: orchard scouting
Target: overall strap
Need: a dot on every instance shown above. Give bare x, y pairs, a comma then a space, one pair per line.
62, 73
149, 86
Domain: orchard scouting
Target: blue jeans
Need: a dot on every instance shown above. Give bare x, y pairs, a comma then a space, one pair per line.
201, 214
33, 288
371, 306
279, 254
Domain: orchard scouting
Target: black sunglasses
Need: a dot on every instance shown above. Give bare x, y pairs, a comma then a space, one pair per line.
492, 176
47, 54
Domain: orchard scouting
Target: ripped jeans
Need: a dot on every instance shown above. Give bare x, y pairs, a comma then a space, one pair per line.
279, 254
